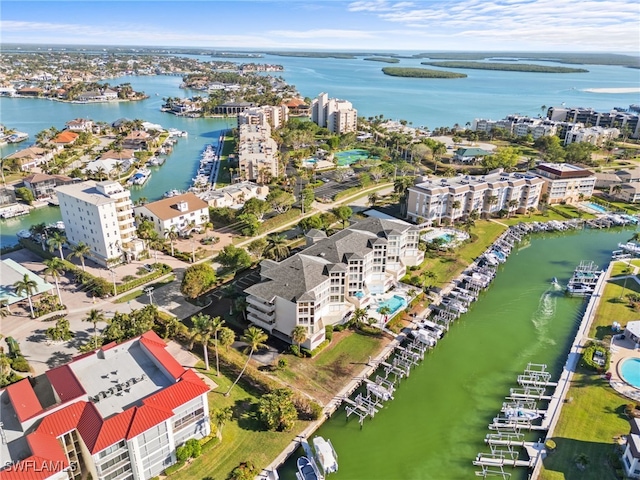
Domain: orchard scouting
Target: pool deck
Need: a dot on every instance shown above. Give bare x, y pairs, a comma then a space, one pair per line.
620, 351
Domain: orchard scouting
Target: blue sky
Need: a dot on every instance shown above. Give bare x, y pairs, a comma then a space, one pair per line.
423, 25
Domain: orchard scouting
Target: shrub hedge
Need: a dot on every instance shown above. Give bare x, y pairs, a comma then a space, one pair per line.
588, 354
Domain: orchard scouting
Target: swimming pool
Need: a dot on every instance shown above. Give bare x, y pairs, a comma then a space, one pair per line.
347, 157
394, 304
630, 371
596, 207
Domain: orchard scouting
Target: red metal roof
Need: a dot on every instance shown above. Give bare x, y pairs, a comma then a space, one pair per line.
46, 446
24, 399
158, 348
146, 417
32, 468
63, 420
65, 383
113, 430
179, 393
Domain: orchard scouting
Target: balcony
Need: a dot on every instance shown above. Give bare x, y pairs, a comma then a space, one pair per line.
267, 318
262, 306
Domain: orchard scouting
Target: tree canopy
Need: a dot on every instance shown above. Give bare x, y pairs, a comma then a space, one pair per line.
197, 280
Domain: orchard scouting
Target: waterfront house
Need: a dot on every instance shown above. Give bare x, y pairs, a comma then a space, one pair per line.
297, 107
631, 455
118, 412
183, 213
7, 196
65, 138
320, 285
80, 125
449, 199
30, 92
234, 196
565, 183
43, 185
137, 140
30, 157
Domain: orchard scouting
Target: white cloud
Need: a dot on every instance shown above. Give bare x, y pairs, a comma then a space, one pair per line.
378, 6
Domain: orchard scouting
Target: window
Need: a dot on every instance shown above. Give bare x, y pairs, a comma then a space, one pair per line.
189, 418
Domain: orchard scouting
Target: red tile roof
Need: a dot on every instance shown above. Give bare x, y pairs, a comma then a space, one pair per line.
24, 399
65, 383
158, 348
65, 137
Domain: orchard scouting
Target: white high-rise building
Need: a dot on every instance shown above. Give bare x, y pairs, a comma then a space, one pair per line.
99, 214
273, 116
338, 116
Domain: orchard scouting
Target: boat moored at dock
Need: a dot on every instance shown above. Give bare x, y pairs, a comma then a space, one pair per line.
307, 469
325, 455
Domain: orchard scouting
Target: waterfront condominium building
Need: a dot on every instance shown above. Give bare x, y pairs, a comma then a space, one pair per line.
338, 116
274, 116
334, 275
565, 183
450, 199
257, 153
117, 413
626, 121
99, 214
182, 213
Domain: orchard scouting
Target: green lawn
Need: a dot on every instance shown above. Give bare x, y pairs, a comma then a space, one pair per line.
614, 308
588, 425
324, 375
242, 439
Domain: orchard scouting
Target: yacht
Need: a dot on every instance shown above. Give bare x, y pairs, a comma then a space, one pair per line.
307, 469
584, 279
171, 193
140, 177
424, 337
326, 457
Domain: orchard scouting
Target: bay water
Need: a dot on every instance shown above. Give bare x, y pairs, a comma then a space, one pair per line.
436, 425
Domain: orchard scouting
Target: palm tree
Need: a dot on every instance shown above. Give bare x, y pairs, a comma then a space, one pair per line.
616, 189
27, 286
80, 251
373, 199
385, 311
204, 327
94, 316
221, 416
455, 205
57, 240
359, 314
39, 230
255, 338
172, 235
511, 204
492, 200
55, 269
299, 335
277, 248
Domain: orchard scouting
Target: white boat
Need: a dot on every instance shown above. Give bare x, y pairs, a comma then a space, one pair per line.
171, 193
140, 177
17, 137
325, 456
630, 247
379, 391
521, 414
424, 337
153, 162
436, 329
307, 469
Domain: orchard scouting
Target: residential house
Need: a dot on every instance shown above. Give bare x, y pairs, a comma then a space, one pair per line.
450, 199
469, 155
118, 412
64, 138
322, 284
298, 108
80, 125
631, 455
100, 214
30, 157
182, 213
137, 140
565, 183
43, 185
234, 196
7, 196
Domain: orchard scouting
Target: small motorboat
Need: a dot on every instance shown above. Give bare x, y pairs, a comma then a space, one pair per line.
307, 469
555, 282
524, 414
327, 459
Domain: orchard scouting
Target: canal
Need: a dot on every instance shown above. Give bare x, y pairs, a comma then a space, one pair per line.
437, 423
